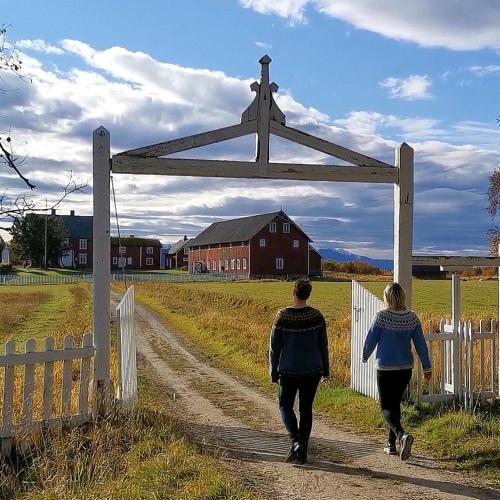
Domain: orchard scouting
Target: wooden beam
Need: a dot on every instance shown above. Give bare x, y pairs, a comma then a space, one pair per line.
448, 260
327, 147
263, 112
122, 164
195, 141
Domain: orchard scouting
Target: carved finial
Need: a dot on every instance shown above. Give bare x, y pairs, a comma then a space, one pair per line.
274, 87
254, 87
265, 59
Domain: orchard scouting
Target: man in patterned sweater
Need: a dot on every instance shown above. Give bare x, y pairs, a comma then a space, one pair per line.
298, 359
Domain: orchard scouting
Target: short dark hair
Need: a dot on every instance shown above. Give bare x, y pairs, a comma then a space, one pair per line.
302, 289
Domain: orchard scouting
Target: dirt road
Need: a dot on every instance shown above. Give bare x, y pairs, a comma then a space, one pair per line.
220, 411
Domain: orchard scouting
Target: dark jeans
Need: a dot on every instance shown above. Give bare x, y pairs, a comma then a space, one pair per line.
306, 387
391, 387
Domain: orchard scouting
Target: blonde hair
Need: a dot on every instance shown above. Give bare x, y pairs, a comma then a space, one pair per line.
394, 297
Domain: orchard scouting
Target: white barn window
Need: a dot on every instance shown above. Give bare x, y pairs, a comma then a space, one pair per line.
272, 227
83, 244
286, 227
279, 263
149, 261
262, 242
295, 243
244, 263
82, 258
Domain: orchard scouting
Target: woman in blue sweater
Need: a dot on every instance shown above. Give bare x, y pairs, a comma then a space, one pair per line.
392, 332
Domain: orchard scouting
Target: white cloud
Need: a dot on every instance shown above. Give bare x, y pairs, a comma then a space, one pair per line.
143, 101
39, 46
492, 69
457, 25
263, 45
413, 88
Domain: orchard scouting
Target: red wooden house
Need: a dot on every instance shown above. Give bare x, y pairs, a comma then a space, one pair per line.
260, 245
135, 253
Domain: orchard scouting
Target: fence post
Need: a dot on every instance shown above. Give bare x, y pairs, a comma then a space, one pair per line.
403, 220
101, 255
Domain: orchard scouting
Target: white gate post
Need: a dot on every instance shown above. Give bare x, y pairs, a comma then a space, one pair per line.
101, 253
403, 220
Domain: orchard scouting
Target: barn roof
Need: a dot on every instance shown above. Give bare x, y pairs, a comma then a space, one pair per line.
132, 241
241, 229
178, 246
78, 226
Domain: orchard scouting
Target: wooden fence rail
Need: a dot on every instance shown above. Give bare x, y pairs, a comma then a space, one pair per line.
35, 408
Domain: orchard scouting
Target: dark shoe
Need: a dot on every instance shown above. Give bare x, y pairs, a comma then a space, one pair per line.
302, 453
390, 449
406, 442
292, 454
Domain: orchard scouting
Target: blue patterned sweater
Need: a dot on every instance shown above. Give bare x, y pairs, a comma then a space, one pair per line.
298, 345
392, 333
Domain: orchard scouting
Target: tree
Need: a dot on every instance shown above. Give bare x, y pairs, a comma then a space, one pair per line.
28, 238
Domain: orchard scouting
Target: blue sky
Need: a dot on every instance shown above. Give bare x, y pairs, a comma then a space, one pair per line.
362, 73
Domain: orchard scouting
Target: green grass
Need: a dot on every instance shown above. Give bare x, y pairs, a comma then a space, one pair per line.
230, 323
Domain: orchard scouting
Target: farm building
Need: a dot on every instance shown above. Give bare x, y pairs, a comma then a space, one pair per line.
135, 253
78, 240
260, 245
178, 254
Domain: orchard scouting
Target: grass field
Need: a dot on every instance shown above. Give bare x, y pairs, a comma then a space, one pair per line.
140, 456
231, 321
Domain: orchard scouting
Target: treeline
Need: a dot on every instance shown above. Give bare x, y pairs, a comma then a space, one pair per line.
353, 267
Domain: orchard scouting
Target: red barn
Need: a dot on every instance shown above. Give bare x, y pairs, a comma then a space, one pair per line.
260, 245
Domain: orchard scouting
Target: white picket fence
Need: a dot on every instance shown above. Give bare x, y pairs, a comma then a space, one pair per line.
465, 359
364, 306
34, 393
466, 365
127, 362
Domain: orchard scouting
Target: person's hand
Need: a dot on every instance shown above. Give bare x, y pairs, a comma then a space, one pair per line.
427, 376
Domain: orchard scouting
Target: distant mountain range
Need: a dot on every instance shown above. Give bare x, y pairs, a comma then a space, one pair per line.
340, 255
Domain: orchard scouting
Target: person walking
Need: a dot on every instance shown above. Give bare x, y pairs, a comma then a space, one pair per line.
393, 330
298, 360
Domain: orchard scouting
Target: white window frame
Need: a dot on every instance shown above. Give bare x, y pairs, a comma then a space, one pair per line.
220, 265
83, 244
238, 264
232, 264
226, 265
272, 227
115, 261
244, 263
286, 227
129, 261
262, 243
208, 265
122, 262
214, 265
149, 261
149, 250
122, 250
280, 263
82, 258
296, 243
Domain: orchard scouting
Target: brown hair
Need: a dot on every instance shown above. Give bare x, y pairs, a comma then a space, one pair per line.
394, 297
302, 289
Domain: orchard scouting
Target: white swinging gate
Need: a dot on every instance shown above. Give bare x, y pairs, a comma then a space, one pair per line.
262, 118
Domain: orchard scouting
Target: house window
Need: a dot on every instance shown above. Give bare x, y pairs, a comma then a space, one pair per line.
262, 242
115, 260
295, 243
122, 250
244, 263
214, 265
149, 250
286, 227
83, 244
82, 258
208, 265
238, 264
220, 265
122, 262
226, 264
272, 227
149, 261
232, 264
129, 261
279, 263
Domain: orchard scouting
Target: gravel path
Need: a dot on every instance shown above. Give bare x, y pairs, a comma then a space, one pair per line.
243, 423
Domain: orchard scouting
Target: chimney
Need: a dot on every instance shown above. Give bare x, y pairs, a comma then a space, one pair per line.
53, 211
72, 213
185, 238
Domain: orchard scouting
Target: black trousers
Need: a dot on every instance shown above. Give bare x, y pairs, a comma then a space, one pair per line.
306, 387
391, 387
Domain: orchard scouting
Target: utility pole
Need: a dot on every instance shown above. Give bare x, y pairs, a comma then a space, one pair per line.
46, 233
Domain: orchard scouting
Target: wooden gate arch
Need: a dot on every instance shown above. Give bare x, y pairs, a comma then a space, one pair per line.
262, 118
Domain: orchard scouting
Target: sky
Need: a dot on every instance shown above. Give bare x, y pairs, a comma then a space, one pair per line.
365, 74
